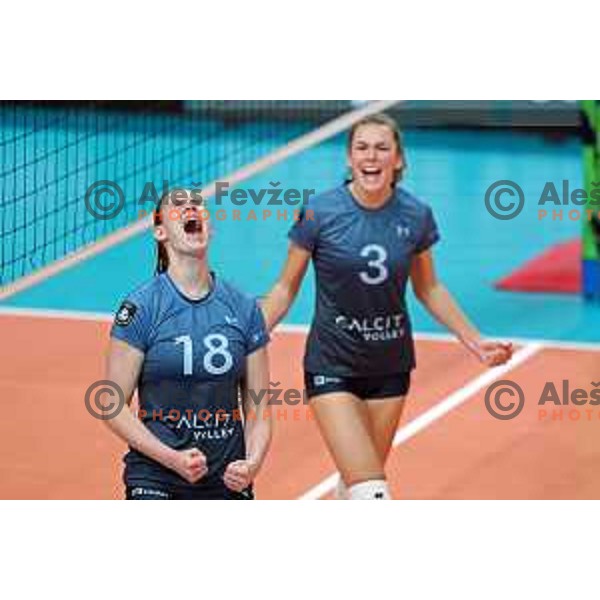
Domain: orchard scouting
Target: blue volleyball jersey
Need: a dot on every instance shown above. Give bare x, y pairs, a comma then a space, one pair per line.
362, 260
194, 357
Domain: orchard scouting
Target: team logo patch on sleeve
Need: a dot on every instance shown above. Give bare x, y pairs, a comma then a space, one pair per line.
125, 314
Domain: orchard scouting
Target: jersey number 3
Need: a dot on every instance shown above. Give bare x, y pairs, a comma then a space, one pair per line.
217, 360
378, 272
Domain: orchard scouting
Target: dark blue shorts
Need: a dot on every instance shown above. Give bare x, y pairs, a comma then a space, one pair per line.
158, 492
373, 387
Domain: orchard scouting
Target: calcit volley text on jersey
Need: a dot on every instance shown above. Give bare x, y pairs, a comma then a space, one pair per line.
362, 261
194, 356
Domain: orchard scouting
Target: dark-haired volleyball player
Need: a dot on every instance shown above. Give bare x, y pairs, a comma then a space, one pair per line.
366, 239
185, 339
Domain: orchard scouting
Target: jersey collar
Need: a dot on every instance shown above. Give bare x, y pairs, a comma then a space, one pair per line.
189, 300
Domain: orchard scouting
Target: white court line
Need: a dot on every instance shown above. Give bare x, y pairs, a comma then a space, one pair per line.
435, 413
284, 328
47, 313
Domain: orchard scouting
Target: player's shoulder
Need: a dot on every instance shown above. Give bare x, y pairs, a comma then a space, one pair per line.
406, 198
146, 291
146, 298
140, 301
408, 203
328, 202
331, 196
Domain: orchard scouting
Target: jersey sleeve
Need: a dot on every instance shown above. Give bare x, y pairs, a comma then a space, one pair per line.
305, 230
257, 334
429, 233
132, 323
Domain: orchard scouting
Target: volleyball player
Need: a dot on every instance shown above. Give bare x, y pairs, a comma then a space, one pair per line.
185, 339
366, 239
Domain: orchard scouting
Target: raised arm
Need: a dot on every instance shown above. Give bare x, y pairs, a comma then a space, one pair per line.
123, 368
278, 301
441, 305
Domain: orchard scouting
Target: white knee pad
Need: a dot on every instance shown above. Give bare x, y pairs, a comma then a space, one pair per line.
375, 489
341, 491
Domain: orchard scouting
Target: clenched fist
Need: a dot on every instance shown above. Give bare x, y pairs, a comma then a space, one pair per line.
492, 354
238, 475
190, 464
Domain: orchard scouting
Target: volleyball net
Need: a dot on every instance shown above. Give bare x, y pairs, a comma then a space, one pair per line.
75, 177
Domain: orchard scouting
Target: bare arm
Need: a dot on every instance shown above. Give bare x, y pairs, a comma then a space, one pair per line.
258, 427
278, 301
441, 305
257, 431
123, 368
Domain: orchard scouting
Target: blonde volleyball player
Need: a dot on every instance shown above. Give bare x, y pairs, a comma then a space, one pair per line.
366, 239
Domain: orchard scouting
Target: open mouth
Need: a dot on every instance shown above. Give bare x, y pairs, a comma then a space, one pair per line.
193, 225
371, 171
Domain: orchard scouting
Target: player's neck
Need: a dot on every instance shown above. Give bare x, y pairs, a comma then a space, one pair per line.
192, 277
367, 199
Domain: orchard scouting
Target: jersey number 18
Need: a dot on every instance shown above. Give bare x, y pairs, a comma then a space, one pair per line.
217, 346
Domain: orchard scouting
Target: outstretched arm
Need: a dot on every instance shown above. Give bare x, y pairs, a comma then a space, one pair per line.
441, 305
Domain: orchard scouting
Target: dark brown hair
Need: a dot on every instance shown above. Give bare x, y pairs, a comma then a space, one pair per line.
162, 257
385, 121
